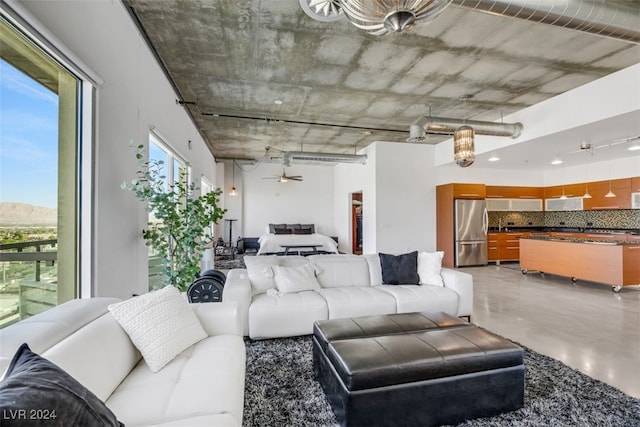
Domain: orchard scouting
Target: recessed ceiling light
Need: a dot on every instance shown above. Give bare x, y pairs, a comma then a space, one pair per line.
494, 158
278, 102
634, 147
556, 161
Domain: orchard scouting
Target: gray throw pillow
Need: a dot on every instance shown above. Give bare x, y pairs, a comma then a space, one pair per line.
400, 269
35, 391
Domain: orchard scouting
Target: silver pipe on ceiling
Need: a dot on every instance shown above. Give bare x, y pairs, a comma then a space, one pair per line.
445, 126
288, 156
592, 16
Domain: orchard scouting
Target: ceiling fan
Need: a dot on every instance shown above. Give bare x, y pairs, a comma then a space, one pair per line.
284, 177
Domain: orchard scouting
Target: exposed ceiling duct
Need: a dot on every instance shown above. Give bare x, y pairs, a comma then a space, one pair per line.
603, 18
600, 17
289, 156
444, 126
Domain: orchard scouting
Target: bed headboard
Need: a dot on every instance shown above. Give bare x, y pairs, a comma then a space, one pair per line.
292, 228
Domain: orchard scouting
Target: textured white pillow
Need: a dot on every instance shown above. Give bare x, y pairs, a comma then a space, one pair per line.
295, 279
160, 324
260, 273
429, 266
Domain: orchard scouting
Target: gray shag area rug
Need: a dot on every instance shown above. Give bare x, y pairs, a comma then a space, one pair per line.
281, 391
226, 263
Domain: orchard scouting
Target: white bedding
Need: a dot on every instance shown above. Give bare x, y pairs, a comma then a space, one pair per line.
273, 242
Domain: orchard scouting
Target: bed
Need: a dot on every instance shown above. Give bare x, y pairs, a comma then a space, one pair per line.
294, 238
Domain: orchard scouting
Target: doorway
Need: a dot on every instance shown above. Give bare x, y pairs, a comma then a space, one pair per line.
356, 222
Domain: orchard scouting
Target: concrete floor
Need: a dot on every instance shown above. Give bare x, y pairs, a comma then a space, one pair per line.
586, 326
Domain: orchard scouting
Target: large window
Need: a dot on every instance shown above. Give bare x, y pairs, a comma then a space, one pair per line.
39, 185
174, 169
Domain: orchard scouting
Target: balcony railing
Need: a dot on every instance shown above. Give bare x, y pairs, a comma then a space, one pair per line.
28, 279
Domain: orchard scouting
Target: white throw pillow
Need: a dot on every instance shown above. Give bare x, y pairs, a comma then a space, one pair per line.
295, 279
260, 273
160, 324
429, 266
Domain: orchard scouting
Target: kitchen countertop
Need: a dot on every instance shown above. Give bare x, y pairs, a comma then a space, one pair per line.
578, 240
544, 229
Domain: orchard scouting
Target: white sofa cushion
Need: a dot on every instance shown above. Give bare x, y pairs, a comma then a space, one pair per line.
429, 267
339, 271
416, 298
160, 323
286, 315
357, 301
295, 279
375, 269
202, 383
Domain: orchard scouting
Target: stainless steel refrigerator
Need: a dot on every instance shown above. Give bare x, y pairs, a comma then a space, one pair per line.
471, 226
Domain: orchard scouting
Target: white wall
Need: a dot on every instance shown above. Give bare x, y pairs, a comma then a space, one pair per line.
135, 97
267, 201
352, 178
405, 197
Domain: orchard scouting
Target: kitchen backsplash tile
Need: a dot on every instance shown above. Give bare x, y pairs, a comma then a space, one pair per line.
619, 219
516, 219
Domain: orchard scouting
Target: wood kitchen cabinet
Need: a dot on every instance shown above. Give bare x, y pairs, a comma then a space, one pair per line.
507, 192
469, 191
635, 184
493, 251
620, 187
504, 246
570, 190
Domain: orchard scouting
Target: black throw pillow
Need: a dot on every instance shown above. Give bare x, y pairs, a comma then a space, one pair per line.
400, 269
36, 392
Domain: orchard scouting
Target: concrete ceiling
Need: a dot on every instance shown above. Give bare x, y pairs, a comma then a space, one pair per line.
262, 73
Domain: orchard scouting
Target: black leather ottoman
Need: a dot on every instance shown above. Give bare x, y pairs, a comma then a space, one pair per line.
415, 370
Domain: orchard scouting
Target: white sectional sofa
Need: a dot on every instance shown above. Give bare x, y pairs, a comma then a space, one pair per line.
349, 286
201, 386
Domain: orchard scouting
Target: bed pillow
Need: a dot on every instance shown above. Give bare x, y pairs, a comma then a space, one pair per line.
279, 230
311, 227
41, 388
295, 279
429, 267
272, 227
302, 231
160, 324
400, 269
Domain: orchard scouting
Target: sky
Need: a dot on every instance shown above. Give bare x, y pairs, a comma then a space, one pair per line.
28, 140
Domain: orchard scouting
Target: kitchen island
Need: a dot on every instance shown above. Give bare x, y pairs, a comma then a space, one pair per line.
613, 262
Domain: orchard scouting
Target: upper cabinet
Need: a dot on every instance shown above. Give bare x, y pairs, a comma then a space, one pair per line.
469, 191
635, 184
506, 192
495, 204
570, 190
598, 190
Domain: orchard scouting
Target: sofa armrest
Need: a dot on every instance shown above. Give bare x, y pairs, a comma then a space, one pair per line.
237, 288
219, 318
462, 284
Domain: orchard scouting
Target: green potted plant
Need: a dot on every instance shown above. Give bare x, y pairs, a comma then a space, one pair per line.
179, 224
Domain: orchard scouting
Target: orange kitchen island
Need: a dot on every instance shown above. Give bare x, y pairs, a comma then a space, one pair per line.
614, 263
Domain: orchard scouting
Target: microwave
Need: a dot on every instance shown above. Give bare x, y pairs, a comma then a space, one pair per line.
635, 200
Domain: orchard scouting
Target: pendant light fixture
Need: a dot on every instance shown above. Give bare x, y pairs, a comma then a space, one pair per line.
463, 142
233, 191
463, 146
586, 169
610, 194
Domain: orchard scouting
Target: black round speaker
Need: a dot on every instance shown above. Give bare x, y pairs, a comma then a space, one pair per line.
216, 274
205, 289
